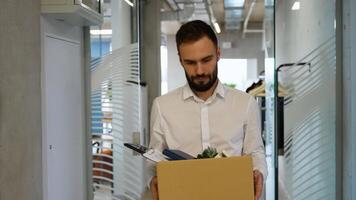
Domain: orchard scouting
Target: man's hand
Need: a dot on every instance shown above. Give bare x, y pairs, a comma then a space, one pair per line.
258, 182
154, 188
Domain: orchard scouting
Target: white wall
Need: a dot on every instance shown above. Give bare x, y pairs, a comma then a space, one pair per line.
175, 72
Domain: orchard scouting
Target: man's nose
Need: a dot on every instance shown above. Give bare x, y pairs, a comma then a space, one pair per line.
200, 69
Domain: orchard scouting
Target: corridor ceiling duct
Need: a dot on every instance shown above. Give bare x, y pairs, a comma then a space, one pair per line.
233, 13
179, 14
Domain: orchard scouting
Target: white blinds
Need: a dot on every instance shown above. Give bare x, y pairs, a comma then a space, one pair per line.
118, 116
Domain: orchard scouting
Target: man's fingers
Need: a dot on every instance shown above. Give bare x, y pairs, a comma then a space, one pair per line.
258, 182
154, 188
258, 191
154, 195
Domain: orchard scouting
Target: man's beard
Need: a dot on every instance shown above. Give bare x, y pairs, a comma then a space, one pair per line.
200, 86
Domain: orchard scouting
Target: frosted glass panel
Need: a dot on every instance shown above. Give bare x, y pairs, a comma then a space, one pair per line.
306, 56
118, 116
309, 111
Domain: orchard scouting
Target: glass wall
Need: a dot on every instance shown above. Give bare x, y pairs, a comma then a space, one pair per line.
306, 67
118, 102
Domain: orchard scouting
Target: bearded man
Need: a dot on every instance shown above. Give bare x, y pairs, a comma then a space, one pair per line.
204, 113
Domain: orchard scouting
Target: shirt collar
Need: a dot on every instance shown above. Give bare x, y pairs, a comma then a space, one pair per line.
188, 93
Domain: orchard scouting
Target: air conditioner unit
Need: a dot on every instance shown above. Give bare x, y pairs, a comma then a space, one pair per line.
74, 12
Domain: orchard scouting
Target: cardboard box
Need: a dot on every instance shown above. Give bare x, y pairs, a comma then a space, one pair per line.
206, 179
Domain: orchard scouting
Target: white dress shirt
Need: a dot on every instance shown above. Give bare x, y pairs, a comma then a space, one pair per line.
229, 120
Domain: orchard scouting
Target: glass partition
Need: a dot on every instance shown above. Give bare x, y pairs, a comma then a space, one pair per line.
306, 60
118, 103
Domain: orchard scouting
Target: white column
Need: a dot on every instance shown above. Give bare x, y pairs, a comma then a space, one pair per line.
120, 23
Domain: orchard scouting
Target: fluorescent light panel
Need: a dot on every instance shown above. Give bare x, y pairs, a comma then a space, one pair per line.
296, 5
101, 32
234, 3
217, 27
128, 2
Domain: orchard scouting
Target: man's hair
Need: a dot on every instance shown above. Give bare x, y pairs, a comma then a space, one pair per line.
193, 31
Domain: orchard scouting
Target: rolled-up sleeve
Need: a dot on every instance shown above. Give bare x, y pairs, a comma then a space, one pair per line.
253, 144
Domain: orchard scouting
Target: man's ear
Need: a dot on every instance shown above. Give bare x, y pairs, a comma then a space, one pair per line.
180, 60
218, 52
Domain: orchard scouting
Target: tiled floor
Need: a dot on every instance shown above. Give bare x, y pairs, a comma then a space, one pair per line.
102, 194
147, 195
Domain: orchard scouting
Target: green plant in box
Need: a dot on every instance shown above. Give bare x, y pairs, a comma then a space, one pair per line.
208, 153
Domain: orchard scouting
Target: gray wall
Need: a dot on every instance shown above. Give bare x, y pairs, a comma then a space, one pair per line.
151, 41
243, 48
349, 99
20, 101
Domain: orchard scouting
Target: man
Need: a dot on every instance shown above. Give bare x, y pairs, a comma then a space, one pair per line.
204, 113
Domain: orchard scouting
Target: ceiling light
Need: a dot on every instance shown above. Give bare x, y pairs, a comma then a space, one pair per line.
217, 27
296, 5
234, 3
101, 32
129, 2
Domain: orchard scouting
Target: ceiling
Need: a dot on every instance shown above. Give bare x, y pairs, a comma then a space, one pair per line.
229, 14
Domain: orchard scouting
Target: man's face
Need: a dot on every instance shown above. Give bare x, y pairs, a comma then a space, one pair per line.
199, 60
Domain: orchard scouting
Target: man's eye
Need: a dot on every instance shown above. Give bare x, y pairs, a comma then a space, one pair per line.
207, 60
189, 63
